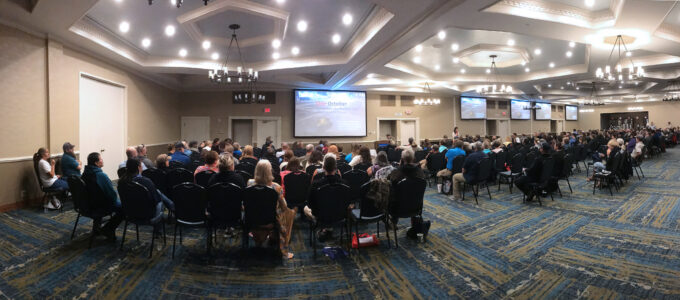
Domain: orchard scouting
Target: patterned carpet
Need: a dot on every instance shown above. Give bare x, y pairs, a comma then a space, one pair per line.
579, 246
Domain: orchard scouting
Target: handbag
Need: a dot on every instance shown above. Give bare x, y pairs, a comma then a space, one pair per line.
364, 240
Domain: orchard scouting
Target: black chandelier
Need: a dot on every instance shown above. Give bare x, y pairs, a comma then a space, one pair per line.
241, 78
672, 92
179, 3
620, 72
494, 86
593, 100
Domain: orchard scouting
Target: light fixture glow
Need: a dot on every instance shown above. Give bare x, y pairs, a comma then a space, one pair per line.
462, 71
302, 26
455, 47
572, 44
549, 85
146, 42
441, 35
169, 30
280, 1
488, 71
527, 70
336, 38
436, 67
538, 51
124, 27
347, 19
456, 60
276, 55
511, 42
569, 54
629, 54
215, 56
206, 45
416, 59
551, 65
589, 3
276, 43
183, 52
419, 48
295, 50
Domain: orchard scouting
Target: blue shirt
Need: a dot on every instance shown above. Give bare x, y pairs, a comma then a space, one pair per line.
181, 157
103, 182
69, 166
348, 158
442, 148
451, 154
486, 151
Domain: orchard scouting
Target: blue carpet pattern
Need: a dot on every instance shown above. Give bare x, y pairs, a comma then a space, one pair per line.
625, 246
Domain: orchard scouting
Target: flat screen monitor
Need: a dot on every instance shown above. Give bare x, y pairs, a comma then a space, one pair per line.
320, 113
472, 108
517, 111
571, 112
543, 111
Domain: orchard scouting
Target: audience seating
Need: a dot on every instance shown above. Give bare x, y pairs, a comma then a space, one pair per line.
355, 179
529, 159
297, 189
394, 154
565, 173
121, 171
176, 164
457, 165
158, 178
543, 182
409, 195
362, 166
245, 175
190, 207
224, 206
367, 212
482, 177
87, 206
49, 192
335, 198
257, 152
343, 167
203, 177
310, 170
177, 176
140, 208
516, 164
637, 166
419, 155
435, 163
260, 212
194, 165
245, 166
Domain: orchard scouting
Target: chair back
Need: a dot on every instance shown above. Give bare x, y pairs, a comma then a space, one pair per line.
394, 154
501, 159
362, 166
367, 206
138, 204
174, 164
79, 194
190, 202
121, 171
355, 179
484, 171
194, 165
158, 178
259, 204
202, 178
245, 166
257, 152
409, 194
529, 160
419, 155
343, 167
177, 176
311, 168
224, 202
546, 172
334, 199
96, 197
566, 167
457, 164
436, 162
297, 188
245, 175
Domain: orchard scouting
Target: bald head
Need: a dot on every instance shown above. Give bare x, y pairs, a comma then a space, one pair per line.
131, 152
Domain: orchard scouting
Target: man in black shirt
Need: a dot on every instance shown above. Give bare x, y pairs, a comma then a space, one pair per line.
470, 169
533, 173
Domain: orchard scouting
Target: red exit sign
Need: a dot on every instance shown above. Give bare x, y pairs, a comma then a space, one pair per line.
267, 110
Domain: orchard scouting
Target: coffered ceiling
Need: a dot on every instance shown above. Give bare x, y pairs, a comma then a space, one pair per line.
544, 48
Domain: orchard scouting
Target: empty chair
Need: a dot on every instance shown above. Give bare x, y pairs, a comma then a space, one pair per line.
202, 178
368, 212
457, 164
87, 206
329, 205
190, 207
297, 189
245, 175
355, 179
177, 176
409, 194
140, 208
419, 155
394, 154
176, 164
224, 205
565, 172
435, 163
245, 166
515, 171
499, 161
158, 178
260, 212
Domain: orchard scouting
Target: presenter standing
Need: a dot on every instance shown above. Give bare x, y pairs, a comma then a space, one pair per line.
455, 133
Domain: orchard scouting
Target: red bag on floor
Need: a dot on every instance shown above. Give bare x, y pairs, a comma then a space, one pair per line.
364, 240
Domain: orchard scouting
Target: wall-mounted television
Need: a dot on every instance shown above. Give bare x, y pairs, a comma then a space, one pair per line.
320, 113
571, 112
542, 111
517, 111
472, 108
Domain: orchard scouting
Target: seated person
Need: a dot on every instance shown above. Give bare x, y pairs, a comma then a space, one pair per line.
287, 156
328, 175
270, 155
363, 161
180, 155
226, 173
69, 165
237, 150
315, 159
497, 146
264, 177
131, 153
470, 169
612, 149
533, 173
141, 155
381, 168
450, 155
133, 171
321, 173
248, 156
211, 160
407, 169
163, 162
44, 166
637, 151
94, 176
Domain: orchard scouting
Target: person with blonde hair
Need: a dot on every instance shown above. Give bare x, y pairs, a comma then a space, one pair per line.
226, 172
248, 155
612, 149
264, 177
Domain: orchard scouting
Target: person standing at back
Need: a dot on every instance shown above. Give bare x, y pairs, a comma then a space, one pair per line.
70, 166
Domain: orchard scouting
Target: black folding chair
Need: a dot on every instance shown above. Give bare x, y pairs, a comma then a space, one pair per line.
158, 178
543, 182
481, 178
174, 164
394, 154
409, 194
516, 164
419, 155
334, 200
343, 167
87, 206
296, 189
49, 191
140, 208
565, 173
260, 212
367, 213
177, 176
245, 175
190, 207
224, 206
310, 169
121, 172
246, 167
203, 177
355, 179
435, 163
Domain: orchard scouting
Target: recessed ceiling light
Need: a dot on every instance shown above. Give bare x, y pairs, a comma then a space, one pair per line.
561, 88
419, 48
276, 43
462, 71
441, 35
335, 38
370, 75
454, 47
538, 51
436, 67
569, 53
636, 83
119, 1
183, 52
589, 3
169, 30
280, 1
302, 26
295, 50
146, 42
124, 27
215, 56
511, 42
577, 88
568, 82
552, 65
620, 86
572, 44
527, 70
347, 19
206, 45
456, 60
549, 85
173, 2
601, 88
276, 55
629, 54
488, 71
416, 59
524, 63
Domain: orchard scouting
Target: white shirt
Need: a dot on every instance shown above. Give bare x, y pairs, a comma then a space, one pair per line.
44, 168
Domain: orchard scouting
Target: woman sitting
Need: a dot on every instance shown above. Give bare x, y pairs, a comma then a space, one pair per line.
363, 160
381, 163
323, 171
44, 166
211, 160
226, 173
293, 166
248, 156
285, 215
163, 162
287, 156
612, 149
133, 170
315, 159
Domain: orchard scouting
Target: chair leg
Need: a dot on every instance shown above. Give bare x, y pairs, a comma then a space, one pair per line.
558, 189
174, 240
569, 184
164, 241
643, 174
377, 227
208, 238
137, 228
475, 191
487, 190
180, 235
594, 185
124, 231
396, 240
512, 182
387, 232
153, 238
75, 226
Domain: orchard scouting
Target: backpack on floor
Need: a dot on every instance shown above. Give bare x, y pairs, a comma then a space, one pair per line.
446, 186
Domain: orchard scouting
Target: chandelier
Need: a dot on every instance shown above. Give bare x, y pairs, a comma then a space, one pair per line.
429, 100
593, 100
178, 3
620, 72
494, 87
241, 78
535, 99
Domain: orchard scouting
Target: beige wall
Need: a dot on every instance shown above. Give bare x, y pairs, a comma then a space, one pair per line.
39, 106
659, 112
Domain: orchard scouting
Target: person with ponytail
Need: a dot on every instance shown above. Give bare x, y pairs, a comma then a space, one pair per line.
44, 166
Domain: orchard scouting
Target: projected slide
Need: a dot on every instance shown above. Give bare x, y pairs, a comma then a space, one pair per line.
472, 108
330, 113
571, 113
543, 113
517, 111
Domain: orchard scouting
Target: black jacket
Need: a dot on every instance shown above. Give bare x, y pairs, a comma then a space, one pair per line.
227, 177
